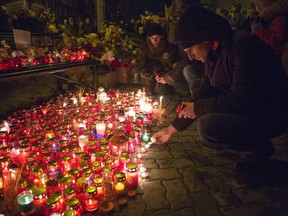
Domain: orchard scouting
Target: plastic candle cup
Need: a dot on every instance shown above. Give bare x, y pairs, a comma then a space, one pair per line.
132, 175
25, 203
100, 129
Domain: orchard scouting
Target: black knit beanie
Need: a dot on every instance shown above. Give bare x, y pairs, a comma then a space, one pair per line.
154, 29
197, 24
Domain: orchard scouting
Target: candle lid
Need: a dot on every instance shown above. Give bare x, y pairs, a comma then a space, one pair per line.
120, 176
60, 177
81, 180
70, 212
87, 170
52, 163
69, 191
52, 200
109, 160
66, 158
47, 155
96, 163
72, 201
62, 149
101, 154
37, 170
32, 155
123, 157
102, 140
132, 165
83, 163
73, 171
79, 154
107, 168
91, 143
85, 157
66, 180
98, 180
57, 193
38, 191
91, 189
63, 142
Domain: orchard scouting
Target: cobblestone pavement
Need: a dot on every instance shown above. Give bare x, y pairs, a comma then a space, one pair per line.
187, 179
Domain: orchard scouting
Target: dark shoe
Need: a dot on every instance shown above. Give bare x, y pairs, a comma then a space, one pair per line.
251, 162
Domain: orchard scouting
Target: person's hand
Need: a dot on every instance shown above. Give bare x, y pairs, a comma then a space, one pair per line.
160, 79
164, 135
188, 111
166, 79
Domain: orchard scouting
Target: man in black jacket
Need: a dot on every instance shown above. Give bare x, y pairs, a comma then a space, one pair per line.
242, 102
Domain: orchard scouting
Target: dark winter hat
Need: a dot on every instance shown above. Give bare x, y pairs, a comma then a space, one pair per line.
198, 24
154, 29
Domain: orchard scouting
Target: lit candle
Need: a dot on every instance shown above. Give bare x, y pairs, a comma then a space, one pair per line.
25, 203
100, 129
144, 175
39, 196
142, 169
160, 107
143, 150
119, 187
132, 175
82, 141
91, 204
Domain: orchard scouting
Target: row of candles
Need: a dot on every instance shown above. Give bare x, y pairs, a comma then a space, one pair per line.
25, 61
78, 152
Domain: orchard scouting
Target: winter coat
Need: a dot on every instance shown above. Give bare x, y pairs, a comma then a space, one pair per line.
275, 27
243, 77
274, 32
167, 55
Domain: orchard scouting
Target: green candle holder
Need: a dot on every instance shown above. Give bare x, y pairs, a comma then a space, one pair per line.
25, 203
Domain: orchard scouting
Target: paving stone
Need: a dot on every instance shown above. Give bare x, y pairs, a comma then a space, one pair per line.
164, 174
192, 180
177, 194
221, 192
176, 163
205, 205
155, 196
168, 212
158, 155
249, 196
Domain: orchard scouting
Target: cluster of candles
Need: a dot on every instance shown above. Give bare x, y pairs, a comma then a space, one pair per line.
25, 61
77, 153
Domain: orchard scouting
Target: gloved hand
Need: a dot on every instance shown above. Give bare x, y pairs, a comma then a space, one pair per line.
255, 24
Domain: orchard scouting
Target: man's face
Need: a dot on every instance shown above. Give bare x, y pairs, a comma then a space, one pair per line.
155, 40
198, 51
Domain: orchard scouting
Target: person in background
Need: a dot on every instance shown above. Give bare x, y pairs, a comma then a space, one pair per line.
234, 17
242, 103
157, 58
193, 71
271, 26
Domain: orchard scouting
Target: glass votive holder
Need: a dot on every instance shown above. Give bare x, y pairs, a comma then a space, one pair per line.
25, 203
